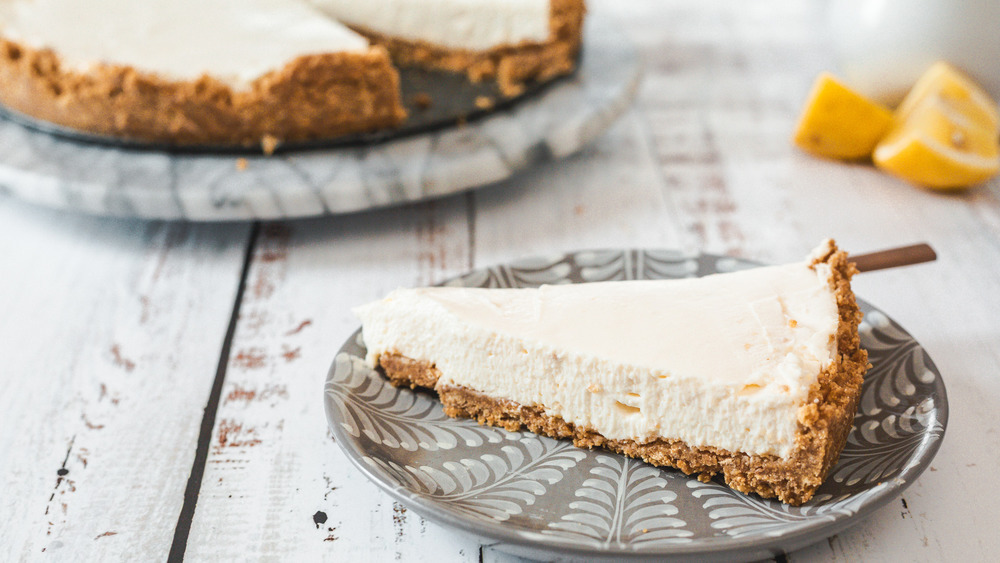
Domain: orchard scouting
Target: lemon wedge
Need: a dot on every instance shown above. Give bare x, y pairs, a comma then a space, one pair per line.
839, 123
944, 133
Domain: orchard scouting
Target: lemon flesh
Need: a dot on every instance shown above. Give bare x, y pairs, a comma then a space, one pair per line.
944, 134
945, 84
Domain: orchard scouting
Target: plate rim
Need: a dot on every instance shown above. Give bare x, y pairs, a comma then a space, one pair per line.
722, 546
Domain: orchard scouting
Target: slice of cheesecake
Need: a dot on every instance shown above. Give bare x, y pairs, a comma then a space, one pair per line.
511, 41
754, 375
235, 72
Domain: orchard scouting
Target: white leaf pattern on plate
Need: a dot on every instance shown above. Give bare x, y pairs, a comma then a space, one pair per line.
395, 417
625, 502
739, 515
635, 265
492, 486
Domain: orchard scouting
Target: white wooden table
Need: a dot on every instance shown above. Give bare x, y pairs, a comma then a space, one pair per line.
161, 384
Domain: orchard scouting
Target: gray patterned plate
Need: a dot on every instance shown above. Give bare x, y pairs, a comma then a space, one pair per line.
545, 498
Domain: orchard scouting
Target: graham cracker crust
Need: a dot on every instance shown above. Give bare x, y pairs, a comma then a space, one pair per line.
511, 65
823, 421
312, 97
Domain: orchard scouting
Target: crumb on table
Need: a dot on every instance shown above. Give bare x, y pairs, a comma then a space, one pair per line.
268, 143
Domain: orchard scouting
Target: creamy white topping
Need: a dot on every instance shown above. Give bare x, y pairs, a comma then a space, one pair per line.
725, 360
235, 41
473, 25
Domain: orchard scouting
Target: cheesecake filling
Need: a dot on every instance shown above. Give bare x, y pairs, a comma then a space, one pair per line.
234, 41
725, 361
473, 25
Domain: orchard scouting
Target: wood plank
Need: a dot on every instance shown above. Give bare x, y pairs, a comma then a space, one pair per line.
609, 195
111, 335
276, 486
721, 111
947, 308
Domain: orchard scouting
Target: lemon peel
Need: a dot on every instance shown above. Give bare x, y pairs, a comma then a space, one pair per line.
838, 123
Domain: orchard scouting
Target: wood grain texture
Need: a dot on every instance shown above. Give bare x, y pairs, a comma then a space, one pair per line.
109, 335
111, 390
276, 486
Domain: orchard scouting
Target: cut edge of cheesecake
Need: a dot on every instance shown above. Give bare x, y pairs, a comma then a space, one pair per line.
511, 66
824, 420
311, 96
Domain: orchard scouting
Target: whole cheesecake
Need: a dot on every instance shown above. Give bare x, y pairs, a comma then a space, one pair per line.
243, 72
754, 375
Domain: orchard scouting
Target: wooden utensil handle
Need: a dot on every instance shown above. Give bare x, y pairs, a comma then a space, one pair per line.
894, 257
